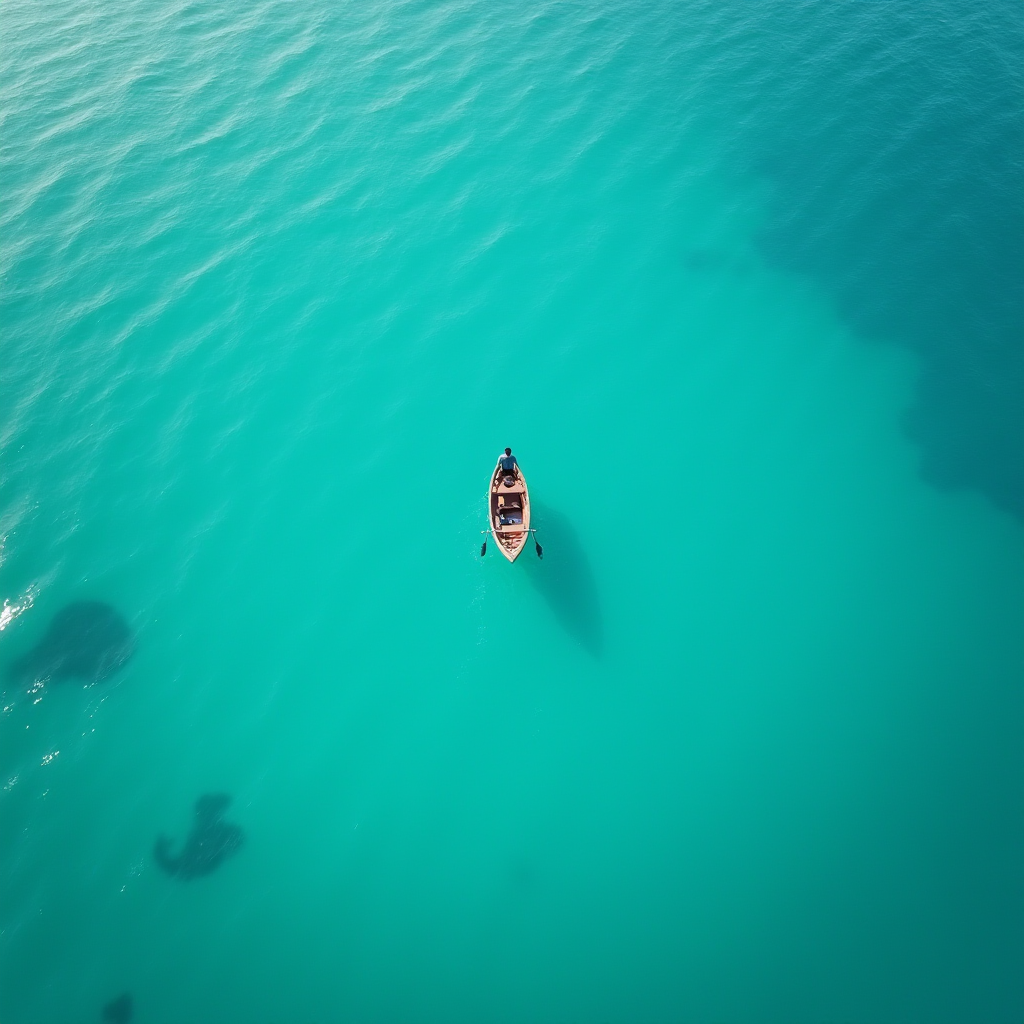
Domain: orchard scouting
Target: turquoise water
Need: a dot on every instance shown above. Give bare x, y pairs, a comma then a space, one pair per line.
277, 284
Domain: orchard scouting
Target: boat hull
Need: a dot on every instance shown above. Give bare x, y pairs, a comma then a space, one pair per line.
509, 509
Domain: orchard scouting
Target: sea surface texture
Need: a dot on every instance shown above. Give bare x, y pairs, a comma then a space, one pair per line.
742, 285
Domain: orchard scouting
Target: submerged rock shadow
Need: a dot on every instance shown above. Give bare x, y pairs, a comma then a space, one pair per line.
86, 640
210, 842
565, 579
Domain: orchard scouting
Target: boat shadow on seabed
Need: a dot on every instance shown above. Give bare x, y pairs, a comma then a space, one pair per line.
565, 578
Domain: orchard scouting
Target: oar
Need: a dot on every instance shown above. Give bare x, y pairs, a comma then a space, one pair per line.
483, 547
536, 544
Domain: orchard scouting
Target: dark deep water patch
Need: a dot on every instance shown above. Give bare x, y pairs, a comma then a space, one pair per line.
897, 173
210, 842
565, 578
86, 640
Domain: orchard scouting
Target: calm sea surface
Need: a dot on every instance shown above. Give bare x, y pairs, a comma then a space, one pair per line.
741, 284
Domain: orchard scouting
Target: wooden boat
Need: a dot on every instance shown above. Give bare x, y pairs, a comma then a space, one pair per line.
510, 511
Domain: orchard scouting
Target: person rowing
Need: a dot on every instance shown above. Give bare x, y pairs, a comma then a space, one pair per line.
509, 466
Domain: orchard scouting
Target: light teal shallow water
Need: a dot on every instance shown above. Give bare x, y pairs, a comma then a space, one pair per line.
277, 285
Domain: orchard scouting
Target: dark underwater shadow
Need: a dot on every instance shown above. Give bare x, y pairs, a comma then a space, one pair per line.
210, 842
86, 640
565, 579
119, 1010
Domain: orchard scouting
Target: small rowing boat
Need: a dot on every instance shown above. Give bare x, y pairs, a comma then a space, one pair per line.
510, 511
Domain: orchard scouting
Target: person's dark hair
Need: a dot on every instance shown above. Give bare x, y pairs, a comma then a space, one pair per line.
508, 451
